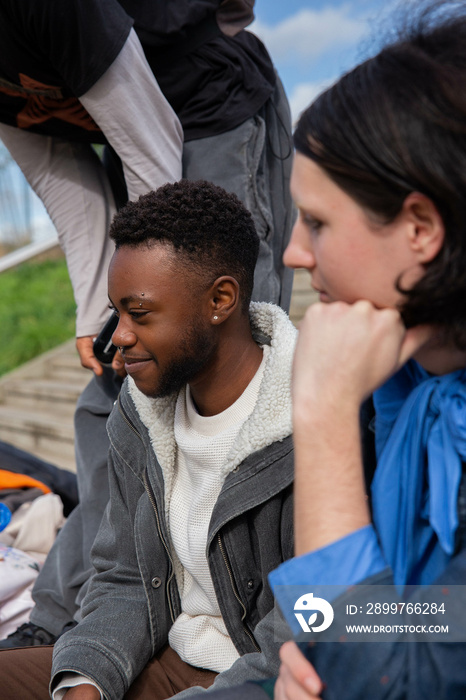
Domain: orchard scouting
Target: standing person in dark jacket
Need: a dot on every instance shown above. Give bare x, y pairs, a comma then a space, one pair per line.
200, 465
101, 72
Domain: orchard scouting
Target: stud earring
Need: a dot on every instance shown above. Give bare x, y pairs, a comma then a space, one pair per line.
215, 318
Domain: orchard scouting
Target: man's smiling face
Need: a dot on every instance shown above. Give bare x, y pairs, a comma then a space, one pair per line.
163, 332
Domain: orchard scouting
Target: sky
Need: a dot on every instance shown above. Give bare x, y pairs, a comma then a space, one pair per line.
312, 42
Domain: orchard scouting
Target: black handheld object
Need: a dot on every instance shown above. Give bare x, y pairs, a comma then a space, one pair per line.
104, 349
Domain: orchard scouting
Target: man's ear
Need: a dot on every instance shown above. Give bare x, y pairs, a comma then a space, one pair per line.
224, 298
426, 227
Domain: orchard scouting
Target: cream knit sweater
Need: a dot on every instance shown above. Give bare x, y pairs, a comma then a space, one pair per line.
199, 634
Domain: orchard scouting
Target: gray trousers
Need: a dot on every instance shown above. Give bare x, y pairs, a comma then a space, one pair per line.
253, 161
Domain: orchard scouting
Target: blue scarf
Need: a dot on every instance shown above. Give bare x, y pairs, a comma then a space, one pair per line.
420, 445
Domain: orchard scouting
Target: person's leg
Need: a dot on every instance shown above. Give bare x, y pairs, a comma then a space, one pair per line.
165, 675
25, 673
254, 161
75, 188
279, 155
72, 183
63, 581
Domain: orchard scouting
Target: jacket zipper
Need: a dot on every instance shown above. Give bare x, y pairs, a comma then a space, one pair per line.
235, 592
154, 506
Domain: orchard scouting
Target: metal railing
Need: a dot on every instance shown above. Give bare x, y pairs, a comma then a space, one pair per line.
28, 252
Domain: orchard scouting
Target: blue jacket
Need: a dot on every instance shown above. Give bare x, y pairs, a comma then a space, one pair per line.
395, 670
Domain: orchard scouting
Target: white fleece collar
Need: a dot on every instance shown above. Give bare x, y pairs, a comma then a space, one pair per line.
270, 420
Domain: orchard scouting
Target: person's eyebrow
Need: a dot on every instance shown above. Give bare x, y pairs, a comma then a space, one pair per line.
131, 298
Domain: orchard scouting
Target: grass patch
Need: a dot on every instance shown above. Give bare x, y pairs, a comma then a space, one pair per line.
37, 311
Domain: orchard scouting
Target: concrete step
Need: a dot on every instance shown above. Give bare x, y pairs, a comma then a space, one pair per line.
302, 296
38, 433
37, 403
66, 367
301, 281
48, 396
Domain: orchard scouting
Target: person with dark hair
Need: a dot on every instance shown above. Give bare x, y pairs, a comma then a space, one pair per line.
379, 180
200, 466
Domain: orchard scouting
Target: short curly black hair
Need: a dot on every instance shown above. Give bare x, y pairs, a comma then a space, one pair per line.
206, 224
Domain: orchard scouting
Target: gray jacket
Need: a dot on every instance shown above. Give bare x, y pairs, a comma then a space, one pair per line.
133, 598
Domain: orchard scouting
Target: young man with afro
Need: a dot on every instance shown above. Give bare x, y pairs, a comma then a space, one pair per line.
200, 466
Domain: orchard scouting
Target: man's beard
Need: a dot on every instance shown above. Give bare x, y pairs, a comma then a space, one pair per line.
195, 351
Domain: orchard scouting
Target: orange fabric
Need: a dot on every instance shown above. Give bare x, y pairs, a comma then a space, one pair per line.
12, 480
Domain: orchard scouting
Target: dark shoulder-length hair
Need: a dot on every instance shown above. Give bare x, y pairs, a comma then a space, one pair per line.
396, 124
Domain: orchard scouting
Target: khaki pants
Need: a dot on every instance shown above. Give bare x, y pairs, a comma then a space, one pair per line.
25, 675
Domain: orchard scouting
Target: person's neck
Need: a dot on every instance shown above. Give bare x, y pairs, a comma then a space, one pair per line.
234, 367
439, 357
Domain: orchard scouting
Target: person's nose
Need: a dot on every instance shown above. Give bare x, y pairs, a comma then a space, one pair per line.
298, 252
123, 336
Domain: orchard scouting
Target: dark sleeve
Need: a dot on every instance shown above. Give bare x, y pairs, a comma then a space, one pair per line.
79, 38
398, 670
366, 418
